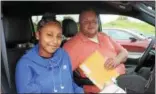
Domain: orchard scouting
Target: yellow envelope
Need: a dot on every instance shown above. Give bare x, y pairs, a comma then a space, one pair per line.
93, 68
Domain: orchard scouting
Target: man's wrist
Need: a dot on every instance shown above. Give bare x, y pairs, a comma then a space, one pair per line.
117, 61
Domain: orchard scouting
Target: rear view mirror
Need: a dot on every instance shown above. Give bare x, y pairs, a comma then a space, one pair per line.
133, 39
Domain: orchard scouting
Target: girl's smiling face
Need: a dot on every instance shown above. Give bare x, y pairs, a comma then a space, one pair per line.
50, 38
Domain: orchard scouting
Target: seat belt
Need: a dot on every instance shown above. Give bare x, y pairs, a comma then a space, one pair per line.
4, 53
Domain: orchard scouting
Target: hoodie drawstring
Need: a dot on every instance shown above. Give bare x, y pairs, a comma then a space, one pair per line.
54, 88
60, 78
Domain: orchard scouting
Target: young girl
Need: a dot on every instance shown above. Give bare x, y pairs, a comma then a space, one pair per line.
46, 68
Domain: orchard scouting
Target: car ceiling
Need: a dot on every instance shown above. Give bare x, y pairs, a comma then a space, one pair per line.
71, 7
63, 7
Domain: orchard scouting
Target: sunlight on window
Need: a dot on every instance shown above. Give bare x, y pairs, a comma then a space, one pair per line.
75, 17
150, 8
36, 19
125, 22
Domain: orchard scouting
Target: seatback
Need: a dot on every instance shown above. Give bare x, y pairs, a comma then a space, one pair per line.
137, 84
18, 32
69, 29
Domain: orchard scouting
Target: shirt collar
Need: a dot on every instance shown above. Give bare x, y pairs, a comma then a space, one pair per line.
84, 38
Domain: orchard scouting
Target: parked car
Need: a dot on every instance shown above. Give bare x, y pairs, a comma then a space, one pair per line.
132, 41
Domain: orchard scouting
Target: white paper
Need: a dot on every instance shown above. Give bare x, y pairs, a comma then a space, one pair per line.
113, 88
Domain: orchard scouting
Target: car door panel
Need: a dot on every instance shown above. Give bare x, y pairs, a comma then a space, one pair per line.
138, 46
123, 37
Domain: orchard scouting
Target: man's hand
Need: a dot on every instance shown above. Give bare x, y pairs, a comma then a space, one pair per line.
111, 63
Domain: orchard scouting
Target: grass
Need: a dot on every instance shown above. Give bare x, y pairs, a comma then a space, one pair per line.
142, 27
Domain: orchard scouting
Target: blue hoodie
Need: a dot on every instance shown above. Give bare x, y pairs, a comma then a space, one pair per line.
35, 74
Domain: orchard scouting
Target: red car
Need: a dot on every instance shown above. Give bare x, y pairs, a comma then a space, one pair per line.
132, 41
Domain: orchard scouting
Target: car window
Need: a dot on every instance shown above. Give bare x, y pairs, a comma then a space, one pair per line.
112, 21
113, 25
35, 20
59, 17
119, 35
74, 17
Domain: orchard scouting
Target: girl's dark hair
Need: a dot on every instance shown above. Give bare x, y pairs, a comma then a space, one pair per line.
46, 18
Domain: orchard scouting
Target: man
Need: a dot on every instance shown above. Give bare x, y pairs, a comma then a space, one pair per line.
89, 40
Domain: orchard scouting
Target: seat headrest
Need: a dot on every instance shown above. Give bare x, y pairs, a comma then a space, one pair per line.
69, 27
17, 29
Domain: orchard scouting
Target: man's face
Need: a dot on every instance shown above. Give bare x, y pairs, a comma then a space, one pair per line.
89, 24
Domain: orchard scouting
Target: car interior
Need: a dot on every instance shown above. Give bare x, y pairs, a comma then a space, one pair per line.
69, 29
19, 36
